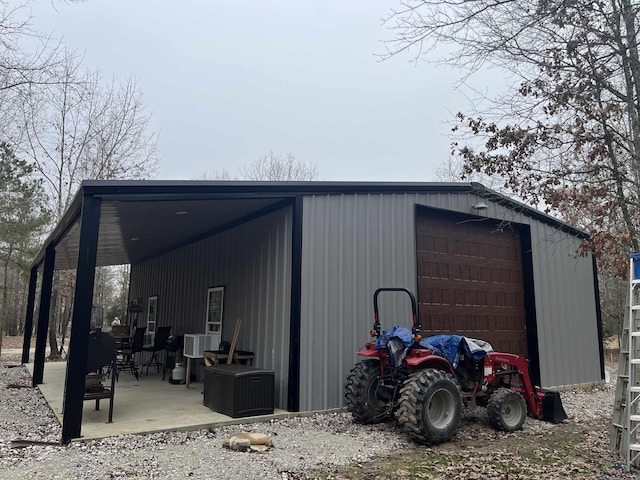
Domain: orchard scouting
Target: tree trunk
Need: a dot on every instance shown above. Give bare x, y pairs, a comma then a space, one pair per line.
53, 323
13, 303
3, 305
53, 340
65, 328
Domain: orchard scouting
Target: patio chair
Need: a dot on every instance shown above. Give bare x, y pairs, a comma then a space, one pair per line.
160, 339
119, 331
127, 359
101, 353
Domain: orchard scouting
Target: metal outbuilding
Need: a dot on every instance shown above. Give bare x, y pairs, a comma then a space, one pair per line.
298, 262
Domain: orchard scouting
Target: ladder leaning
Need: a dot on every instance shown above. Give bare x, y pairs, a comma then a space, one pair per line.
618, 436
629, 410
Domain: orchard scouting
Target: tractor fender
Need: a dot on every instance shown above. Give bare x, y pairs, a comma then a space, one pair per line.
369, 350
430, 361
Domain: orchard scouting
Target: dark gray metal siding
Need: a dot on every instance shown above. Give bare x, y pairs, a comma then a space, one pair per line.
253, 263
565, 306
353, 244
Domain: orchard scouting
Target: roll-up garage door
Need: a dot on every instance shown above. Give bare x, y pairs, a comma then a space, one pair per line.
470, 279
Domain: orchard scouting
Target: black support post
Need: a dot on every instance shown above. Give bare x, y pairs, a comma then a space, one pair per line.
596, 291
293, 388
43, 315
28, 321
81, 319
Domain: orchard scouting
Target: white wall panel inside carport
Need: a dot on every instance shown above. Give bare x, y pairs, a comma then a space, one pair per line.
253, 262
353, 244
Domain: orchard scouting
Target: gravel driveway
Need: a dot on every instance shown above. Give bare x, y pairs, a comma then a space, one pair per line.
320, 446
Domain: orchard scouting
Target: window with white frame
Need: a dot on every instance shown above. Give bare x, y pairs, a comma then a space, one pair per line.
215, 303
152, 318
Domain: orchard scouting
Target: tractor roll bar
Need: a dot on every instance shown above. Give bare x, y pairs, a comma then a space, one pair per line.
415, 330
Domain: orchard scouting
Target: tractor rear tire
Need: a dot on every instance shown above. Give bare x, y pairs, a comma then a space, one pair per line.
363, 395
430, 406
507, 410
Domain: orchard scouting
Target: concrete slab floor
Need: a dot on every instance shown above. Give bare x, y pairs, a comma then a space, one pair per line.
141, 406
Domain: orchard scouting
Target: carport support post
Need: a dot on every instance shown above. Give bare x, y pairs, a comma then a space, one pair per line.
43, 315
293, 387
28, 321
81, 319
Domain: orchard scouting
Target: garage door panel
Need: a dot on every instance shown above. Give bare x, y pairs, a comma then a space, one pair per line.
469, 269
482, 295
470, 280
473, 318
440, 241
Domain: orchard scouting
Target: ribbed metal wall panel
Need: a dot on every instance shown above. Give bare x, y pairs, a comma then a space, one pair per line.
565, 303
253, 263
353, 244
565, 293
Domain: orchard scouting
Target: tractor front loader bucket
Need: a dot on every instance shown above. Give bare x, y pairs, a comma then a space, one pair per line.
552, 409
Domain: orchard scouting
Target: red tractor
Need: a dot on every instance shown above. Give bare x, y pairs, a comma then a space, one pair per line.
423, 382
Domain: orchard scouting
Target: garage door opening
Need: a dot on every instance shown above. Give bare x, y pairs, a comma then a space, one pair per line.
474, 280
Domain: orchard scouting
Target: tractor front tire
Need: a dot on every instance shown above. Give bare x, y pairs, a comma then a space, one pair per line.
507, 410
430, 406
363, 395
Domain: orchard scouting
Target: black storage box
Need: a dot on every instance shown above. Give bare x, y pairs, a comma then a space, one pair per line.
239, 390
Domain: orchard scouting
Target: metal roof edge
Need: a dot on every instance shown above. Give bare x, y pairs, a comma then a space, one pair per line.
131, 187
69, 217
502, 199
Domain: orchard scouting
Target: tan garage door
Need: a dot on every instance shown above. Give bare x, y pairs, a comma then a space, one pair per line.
470, 279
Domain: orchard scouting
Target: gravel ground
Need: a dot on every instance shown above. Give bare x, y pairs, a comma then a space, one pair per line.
306, 447
300, 444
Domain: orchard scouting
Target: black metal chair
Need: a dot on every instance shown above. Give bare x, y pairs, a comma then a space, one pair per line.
127, 354
159, 341
101, 353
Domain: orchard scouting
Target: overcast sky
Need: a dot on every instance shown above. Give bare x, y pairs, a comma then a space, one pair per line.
228, 81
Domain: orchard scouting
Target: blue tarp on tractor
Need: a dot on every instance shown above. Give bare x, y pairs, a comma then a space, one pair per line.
449, 346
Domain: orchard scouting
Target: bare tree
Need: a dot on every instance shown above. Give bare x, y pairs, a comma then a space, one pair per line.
276, 167
19, 67
223, 174
270, 167
453, 170
123, 145
69, 123
567, 135
117, 306
77, 129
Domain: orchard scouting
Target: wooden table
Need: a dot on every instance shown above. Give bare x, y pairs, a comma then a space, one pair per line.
188, 370
213, 357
